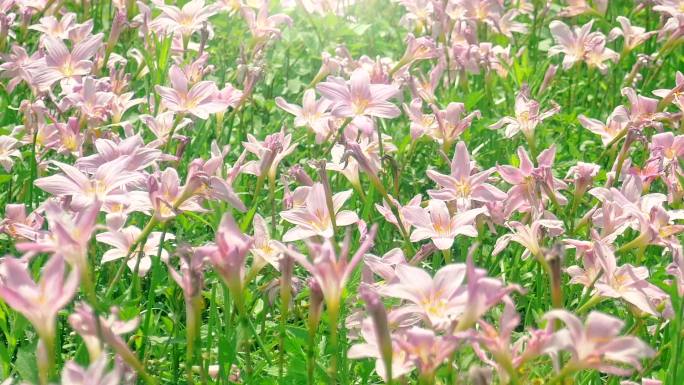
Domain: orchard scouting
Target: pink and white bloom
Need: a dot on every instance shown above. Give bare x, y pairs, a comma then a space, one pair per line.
617, 121
633, 36
529, 236
596, 344
139, 259
265, 250
359, 97
435, 222
314, 217
462, 185
108, 180
9, 149
527, 117
199, 99
60, 63
186, 20
312, 114
38, 301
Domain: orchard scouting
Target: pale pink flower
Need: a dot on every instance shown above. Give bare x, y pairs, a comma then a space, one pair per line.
38, 301
109, 179
139, 156
330, 271
263, 26
435, 222
18, 66
68, 235
186, 20
582, 175
581, 7
95, 374
426, 349
123, 239
314, 217
630, 283
451, 123
312, 114
265, 250
360, 97
106, 330
228, 255
609, 131
527, 116
529, 236
9, 148
532, 185
506, 23
370, 349
199, 99
597, 54
462, 185
421, 123
49, 26
572, 43
168, 197
60, 63
18, 225
161, 126
386, 265
596, 344
633, 36
439, 300
674, 95
271, 151
643, 111
389, 216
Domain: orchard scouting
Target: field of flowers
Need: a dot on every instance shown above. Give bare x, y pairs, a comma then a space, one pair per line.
341, 192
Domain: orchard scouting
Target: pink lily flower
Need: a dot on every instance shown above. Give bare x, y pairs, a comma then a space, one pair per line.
581, 7
439, 300
360, 97
330, 271
18, 66
228, 255
669, 145
139, 156
370, 349
190, 18
161, 126
674, 95
95, 374
109, 179
609, 131
314, 217
529, 236
8, 150
18, 225
265, 250
462, 185
572, 43
168, 197
629, 283
435, 222
451, 123
69, 234
532, 185
527, 116
60, 63
596, 344
633, 36
199, 100
107, 330
49, 26
122, 240
385, 266
421, 123
312, 114
263, 26
643, 111
427, 350
597, 54
386, 211
271, 151
38, 301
